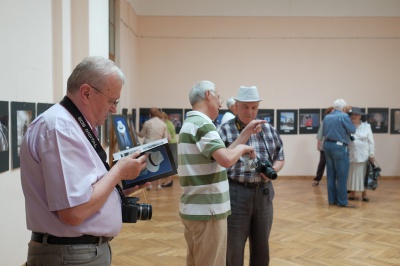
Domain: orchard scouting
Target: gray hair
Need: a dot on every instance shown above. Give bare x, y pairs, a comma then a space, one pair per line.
339, 104
93, 70
198, 91
230, 102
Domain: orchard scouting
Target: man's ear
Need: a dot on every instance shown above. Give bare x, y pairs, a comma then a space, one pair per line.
85, 91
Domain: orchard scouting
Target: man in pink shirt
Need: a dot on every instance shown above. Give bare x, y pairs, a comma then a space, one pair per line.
72, 205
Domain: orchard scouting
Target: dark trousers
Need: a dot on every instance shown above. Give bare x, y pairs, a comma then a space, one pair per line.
251, 218
321, 166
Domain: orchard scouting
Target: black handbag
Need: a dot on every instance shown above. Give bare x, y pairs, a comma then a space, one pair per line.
372, 175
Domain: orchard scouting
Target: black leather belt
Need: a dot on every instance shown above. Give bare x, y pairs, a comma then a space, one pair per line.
80, 240
251, 185
337, 142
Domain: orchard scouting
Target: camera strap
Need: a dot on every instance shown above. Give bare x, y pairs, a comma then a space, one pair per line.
74, 111
240, 126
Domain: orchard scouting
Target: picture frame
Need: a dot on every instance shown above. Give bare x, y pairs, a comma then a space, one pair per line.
378, 118
395, 121
287, 121
42, 107
143, 116
131, 125
159, 163
22, 115
309, 121
175, 115
122, 132
267, 115
4, 136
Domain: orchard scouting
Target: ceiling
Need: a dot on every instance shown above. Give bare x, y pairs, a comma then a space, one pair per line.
285, 8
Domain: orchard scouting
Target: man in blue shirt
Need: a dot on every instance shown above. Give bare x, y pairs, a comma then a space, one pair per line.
337, 130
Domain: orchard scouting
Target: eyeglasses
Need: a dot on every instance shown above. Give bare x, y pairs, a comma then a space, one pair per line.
114, 102
220, 99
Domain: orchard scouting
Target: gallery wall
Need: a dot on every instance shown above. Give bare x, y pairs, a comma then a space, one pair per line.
295, 63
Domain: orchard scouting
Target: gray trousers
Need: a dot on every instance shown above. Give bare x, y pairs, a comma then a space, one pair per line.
252, 215
52, 255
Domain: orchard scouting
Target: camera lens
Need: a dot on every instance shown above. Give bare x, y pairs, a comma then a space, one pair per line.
145, 211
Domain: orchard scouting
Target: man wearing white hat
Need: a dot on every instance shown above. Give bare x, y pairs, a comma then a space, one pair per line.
250, 188
202, 158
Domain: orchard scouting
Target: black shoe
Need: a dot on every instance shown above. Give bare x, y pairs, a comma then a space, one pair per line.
169, 184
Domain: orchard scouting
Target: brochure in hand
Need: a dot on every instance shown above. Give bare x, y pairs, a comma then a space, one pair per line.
159, 163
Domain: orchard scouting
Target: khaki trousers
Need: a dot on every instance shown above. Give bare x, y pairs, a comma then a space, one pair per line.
206, 242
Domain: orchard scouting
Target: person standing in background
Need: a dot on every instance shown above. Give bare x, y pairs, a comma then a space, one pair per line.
173, 145
230, 114
202, 158
152, 130
336, 131
320, 148
362, 149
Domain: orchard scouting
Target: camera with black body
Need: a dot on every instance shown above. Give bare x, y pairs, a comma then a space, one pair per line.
133, 211
265, 167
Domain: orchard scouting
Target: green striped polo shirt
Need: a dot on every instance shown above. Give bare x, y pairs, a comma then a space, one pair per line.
204, 182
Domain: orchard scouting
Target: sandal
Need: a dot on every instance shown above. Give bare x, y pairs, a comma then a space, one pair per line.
315, 183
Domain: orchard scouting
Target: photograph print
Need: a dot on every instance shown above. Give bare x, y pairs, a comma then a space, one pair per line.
378, 118
175, 116
22, 115
4, 139
267, 115
309, 121
121, 130
394, 121
144, 115
287, 121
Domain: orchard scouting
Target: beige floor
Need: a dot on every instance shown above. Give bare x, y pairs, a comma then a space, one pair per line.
306, 231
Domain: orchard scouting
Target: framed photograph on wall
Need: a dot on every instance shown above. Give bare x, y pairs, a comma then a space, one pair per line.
379, 119
22, 115
287, 121
144, 115
309, 121
134, 117
185, 111
132, 129
267, 115
122, 132
176, 117
42, 107
394, 121
4, 138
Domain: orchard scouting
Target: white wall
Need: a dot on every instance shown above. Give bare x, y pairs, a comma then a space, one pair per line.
39, 42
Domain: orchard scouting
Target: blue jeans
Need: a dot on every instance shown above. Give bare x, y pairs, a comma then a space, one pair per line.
337, 168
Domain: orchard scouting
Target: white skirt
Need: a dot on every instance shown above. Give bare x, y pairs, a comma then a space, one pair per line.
355, 180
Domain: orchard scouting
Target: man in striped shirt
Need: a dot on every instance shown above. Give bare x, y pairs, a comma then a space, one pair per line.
202, 158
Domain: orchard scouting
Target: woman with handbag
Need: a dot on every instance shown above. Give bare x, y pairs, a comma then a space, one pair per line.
361, 149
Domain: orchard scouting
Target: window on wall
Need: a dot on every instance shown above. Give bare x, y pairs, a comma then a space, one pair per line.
111, 31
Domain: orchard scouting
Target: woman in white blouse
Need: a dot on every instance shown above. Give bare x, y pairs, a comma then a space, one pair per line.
361, 149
